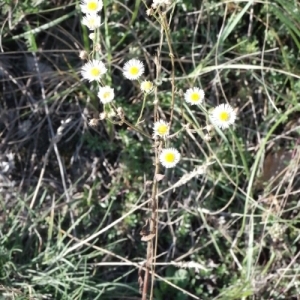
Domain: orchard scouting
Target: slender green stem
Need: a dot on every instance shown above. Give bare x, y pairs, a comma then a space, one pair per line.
142, 110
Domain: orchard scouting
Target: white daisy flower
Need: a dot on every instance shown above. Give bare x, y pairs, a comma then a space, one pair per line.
194, 96
92, 21
169, 157
91, 6
157, 3
106, 94
223, 116
93, 70
161, 128
147, 86
133, 69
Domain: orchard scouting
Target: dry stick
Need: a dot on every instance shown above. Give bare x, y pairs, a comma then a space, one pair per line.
154, 191
150, 256
155, 199
169, 42
131, 126
152, 245
153, 228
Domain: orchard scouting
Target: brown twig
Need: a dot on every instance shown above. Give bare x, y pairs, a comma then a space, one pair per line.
151, 242
151, 246
166, 28
153, 230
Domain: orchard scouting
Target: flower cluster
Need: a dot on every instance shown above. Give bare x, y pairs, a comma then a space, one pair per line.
168, 157
221, 116
91, 8
133, 70
94, 69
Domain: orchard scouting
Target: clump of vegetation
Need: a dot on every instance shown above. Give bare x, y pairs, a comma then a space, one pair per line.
149, 150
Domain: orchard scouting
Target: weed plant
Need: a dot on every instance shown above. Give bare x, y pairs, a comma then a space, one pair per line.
149, 150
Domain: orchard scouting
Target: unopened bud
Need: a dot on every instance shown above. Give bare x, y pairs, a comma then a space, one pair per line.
93, 122
209, 128
98, 47
207, 137
149, 12
111, 114
103, 116
83, 54
120, 112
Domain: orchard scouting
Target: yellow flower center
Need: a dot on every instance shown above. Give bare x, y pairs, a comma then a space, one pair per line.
92, 5
162, 129
95, 72
224, 116
195, 97
169, 157
134, 70
147, 85
106, 95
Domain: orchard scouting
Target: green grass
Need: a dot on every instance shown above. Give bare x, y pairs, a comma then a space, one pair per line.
72, 208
